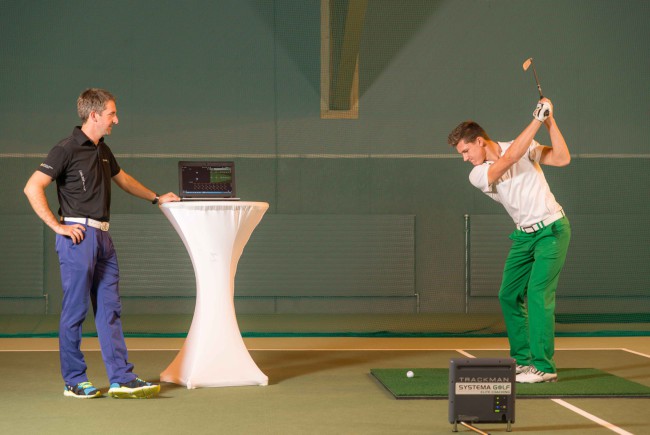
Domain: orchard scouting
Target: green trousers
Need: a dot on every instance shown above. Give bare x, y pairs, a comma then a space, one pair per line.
527, 293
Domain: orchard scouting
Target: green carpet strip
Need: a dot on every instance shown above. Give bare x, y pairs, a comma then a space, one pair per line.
428, 383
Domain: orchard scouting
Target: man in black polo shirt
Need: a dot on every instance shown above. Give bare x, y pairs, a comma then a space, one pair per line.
83, 167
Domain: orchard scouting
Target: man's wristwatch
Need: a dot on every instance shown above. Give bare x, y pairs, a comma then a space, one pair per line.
156, 199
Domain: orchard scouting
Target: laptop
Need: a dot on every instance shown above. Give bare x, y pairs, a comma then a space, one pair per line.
206, 181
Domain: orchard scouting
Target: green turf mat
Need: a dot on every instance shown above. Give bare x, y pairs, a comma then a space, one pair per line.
428, 383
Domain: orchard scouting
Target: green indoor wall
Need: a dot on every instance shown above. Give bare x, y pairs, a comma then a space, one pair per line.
241, 80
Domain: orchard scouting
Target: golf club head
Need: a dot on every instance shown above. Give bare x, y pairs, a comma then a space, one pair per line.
527, 64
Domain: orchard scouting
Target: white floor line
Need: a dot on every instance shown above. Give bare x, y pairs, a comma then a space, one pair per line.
135, 349
592, 417
325, 349
502, 349
90, 349
462, 352
424, 349
635, 352
363, 349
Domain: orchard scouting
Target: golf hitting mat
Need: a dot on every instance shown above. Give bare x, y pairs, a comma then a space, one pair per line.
429, 383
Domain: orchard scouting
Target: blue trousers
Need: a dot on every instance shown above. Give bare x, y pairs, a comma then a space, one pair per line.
90, 274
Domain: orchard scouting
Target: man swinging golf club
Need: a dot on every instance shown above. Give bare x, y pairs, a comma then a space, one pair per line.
510, 173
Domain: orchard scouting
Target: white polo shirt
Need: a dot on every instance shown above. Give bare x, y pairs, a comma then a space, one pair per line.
522, 189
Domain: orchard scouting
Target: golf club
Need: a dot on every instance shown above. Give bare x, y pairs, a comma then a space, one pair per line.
527, 63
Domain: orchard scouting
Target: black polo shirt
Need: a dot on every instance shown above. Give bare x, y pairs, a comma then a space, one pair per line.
83, 173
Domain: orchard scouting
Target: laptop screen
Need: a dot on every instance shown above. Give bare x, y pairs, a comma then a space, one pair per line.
206, 180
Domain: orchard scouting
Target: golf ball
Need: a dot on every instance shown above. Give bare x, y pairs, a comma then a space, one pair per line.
409, 374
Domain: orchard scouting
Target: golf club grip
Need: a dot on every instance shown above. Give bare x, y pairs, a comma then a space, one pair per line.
547, 112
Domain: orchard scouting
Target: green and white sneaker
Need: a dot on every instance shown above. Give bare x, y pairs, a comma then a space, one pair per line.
136, 389
83, 390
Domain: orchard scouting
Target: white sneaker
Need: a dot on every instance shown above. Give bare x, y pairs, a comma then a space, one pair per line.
534, 376
521, 368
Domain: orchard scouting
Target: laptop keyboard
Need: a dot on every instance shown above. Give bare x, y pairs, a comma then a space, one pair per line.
211, 187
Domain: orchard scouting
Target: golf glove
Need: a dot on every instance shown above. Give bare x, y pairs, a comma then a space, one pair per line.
542, 111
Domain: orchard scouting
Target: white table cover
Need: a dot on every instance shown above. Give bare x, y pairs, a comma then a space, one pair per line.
214, 353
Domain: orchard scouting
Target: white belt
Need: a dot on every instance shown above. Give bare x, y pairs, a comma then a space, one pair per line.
539, 225
87, 221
